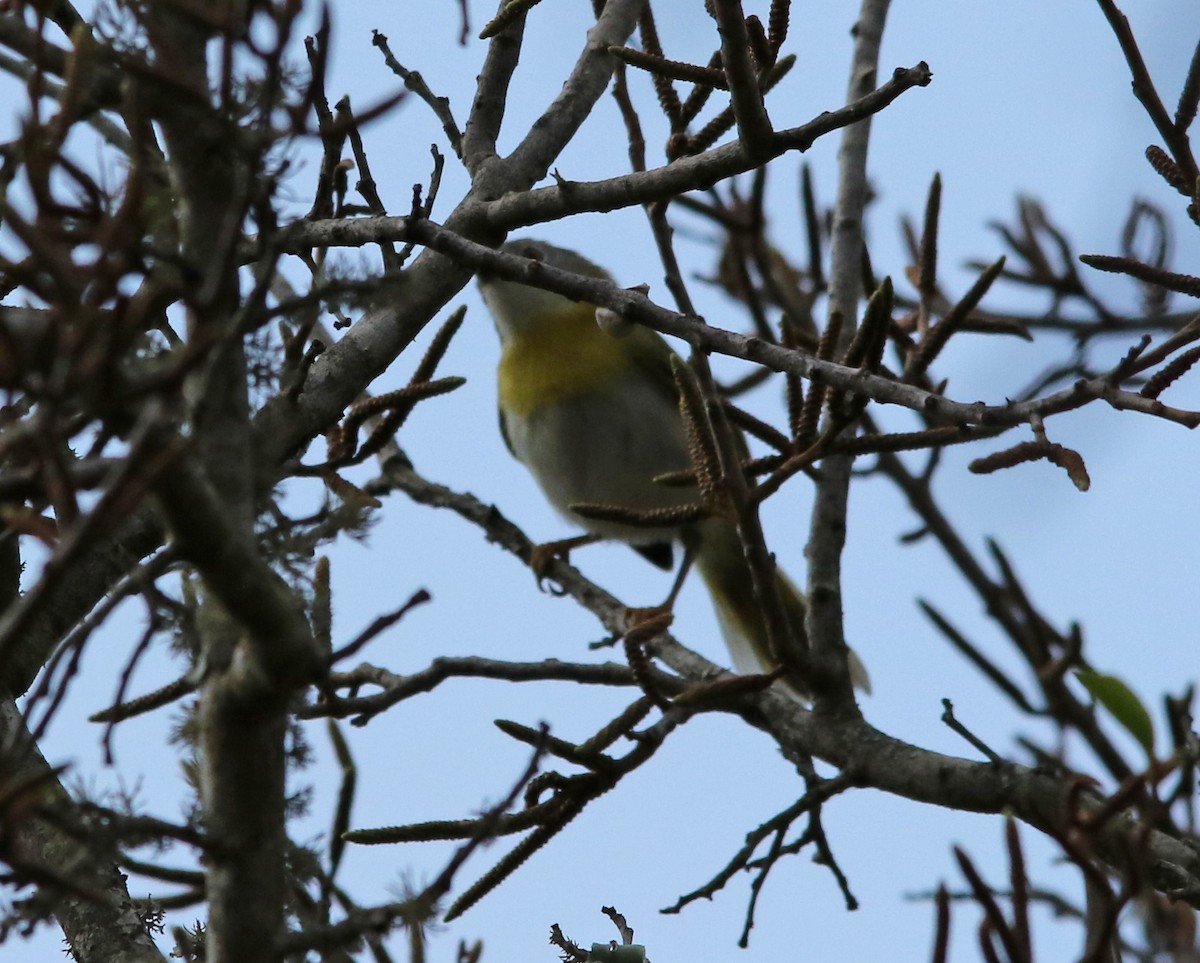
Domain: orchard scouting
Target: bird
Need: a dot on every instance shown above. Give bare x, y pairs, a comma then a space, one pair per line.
591, 409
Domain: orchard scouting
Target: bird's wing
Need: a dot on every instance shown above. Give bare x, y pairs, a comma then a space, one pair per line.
651, 355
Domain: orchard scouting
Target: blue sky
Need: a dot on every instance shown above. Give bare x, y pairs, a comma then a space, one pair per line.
1027, 98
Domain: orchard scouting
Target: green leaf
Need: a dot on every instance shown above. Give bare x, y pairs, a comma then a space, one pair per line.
1121, 704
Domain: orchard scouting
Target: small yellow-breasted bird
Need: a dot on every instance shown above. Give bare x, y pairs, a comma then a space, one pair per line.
594, 415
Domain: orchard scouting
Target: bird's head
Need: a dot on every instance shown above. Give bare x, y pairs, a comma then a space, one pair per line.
516, 306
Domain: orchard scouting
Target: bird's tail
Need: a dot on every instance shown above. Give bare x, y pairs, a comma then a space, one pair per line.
723, 567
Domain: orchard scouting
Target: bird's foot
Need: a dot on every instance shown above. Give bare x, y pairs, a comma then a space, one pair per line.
542, 556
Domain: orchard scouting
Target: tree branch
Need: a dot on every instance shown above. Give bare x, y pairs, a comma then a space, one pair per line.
827, 531
101, 925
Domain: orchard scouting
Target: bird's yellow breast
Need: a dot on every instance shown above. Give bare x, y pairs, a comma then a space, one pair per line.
556, 359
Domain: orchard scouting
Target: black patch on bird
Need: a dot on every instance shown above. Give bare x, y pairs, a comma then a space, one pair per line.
504, 434
657, 553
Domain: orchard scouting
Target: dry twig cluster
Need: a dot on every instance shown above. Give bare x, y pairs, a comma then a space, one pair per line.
163, 382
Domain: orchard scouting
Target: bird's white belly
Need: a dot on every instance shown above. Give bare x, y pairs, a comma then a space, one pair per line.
606, 451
